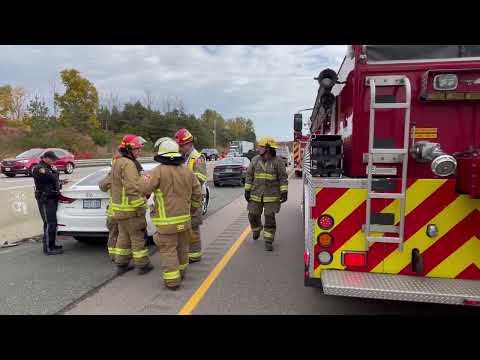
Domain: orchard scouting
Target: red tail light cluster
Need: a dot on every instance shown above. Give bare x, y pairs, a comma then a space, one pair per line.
65, 200
325, 239
354, 259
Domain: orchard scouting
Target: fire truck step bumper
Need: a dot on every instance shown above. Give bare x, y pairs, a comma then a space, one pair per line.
400, 287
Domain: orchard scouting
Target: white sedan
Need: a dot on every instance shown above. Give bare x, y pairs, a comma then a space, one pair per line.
82, 207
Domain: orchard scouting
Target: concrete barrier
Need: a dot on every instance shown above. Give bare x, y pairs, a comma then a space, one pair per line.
19, 216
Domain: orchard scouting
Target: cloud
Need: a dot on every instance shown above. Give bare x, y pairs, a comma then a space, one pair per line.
265, 83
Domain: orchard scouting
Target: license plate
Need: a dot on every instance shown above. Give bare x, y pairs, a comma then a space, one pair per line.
7, 169
92, 204
228, 170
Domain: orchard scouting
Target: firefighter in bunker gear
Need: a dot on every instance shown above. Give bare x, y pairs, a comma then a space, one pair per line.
177, 195
197, 163
47, 190
129, 206
266, 186
105, 185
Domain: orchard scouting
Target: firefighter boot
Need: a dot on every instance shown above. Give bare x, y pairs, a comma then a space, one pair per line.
268, 246
122, 269
145, 269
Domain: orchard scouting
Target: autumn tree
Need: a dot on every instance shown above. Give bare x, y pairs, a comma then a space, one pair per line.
79, 104
12, 102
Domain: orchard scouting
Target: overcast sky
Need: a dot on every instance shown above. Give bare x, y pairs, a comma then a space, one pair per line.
264, 83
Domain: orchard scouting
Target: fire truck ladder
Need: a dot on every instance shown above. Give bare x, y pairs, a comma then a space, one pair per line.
401, 153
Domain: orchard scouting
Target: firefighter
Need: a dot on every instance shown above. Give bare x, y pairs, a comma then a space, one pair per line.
266, 186
129, 206
47, 190
105, 185
197, 163
177, 194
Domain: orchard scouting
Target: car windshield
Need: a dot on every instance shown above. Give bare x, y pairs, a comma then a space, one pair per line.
30, 153
94, 179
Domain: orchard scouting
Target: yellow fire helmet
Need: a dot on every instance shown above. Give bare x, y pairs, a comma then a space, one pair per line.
167, 148
268, 141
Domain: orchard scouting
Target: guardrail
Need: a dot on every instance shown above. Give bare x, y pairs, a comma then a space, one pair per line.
105, 162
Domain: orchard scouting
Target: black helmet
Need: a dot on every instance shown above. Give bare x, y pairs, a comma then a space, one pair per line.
50, 155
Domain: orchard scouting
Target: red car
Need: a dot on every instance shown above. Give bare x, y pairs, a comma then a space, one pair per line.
24, 162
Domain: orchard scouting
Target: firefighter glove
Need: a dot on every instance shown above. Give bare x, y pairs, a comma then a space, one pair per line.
284, 197
247, 195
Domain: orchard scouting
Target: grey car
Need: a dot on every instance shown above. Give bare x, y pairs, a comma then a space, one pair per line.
231, 171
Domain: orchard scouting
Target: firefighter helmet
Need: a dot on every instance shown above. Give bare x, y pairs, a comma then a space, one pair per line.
268, 141
183, 136
159, 141
167, 148
132, 142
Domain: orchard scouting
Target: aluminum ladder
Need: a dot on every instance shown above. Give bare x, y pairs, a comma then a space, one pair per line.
401, 153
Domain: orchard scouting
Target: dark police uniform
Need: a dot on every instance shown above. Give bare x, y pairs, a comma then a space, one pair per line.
47, 190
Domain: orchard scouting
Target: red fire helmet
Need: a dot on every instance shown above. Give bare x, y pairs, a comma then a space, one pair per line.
183, 136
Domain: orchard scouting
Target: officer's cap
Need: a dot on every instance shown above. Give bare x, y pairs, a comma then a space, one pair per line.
50, 155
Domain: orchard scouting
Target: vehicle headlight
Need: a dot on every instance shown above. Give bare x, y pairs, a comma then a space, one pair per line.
445, 82
23, 161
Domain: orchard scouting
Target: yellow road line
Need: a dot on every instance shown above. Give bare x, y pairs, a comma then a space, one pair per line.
201, 291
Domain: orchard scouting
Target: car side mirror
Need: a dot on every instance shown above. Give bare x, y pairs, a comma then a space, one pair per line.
298, 122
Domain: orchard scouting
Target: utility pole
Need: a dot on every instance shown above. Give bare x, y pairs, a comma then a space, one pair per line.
214, 132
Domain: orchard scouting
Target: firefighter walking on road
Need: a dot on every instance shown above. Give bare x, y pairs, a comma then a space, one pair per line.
266, 186
195, 162
47, 190
177, 195
129, 206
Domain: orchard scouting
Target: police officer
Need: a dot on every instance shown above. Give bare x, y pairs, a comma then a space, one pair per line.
266, 187
47, 190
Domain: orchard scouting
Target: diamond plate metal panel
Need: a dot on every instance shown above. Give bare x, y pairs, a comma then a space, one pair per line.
399, 287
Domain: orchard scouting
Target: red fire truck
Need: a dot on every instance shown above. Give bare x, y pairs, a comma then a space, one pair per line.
391, 175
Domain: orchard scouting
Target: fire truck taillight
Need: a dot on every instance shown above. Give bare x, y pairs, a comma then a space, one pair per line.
325, 222
324, 240
354, 258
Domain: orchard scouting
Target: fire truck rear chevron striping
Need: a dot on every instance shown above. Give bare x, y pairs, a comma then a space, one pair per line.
391, 175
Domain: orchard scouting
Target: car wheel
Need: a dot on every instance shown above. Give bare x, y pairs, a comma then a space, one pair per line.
217, 184
11, 175
91, 239
69, 168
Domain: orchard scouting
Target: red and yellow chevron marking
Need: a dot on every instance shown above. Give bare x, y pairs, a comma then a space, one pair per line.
454, 253
296, 151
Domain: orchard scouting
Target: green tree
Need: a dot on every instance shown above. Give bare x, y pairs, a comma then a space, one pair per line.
79, 103
38, 117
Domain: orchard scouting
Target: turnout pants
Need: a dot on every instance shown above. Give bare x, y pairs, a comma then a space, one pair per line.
173, 251
112, 227
195, 249
255, 210
131, 242
48, 212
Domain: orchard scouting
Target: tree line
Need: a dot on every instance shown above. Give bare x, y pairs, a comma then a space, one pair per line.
83, 121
